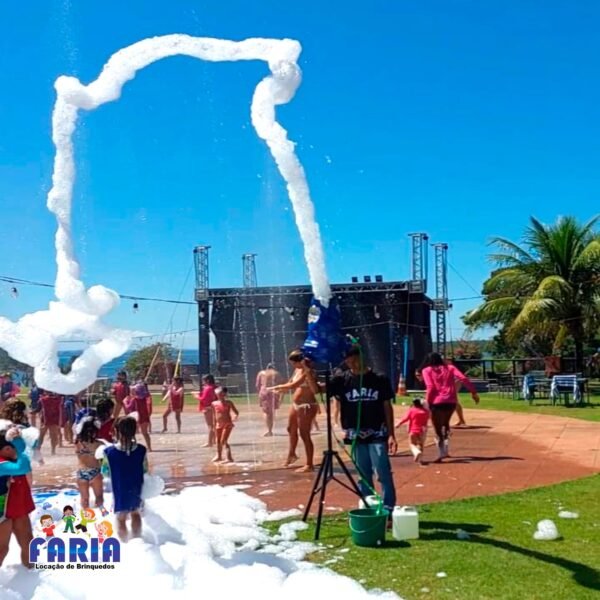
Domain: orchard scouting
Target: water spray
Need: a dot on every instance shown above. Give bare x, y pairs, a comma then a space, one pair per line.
78, 312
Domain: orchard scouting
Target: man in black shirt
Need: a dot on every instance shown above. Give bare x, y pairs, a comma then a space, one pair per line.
364, 401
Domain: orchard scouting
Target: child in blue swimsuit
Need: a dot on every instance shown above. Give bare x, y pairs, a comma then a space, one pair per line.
88, 473
126, 462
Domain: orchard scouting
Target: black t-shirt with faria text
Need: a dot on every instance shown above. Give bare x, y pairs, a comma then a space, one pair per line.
376, 389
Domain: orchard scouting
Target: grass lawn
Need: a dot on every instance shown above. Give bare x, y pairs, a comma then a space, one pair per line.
500, 560
492, 401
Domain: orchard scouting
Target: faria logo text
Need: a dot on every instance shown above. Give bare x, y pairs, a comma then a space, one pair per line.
74, 553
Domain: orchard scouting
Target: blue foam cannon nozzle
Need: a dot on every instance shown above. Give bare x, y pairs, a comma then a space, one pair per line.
324, 342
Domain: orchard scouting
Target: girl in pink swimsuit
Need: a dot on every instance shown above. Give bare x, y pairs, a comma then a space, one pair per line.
174, 395
222, 408
141, 398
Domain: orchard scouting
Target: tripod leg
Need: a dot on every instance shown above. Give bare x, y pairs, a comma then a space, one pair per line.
350, 478
315, 489
329, 467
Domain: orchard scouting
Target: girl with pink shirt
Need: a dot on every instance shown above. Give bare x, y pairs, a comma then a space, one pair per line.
417, 418
205, 399
440, 381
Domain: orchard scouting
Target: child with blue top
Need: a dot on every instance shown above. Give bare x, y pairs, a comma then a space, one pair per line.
125, 463
16, 501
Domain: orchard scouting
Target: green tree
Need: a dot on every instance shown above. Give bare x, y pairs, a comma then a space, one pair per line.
548, 287
9, 364
539, 343
139, 361
466, 349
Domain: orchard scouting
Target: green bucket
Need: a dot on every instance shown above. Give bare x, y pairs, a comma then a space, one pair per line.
367, 527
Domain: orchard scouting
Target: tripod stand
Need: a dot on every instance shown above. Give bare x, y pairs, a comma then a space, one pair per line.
326, 473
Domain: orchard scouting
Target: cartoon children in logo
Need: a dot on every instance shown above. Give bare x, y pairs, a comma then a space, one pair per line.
69, 519
87, 515
104, 529
48, 525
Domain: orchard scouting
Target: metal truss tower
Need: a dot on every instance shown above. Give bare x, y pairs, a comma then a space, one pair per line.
249, 270
201, 268
419, 263
440, 302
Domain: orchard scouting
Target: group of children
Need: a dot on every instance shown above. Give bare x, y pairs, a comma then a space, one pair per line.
138, 399
418, 417
122, 460
48, 526
56, 414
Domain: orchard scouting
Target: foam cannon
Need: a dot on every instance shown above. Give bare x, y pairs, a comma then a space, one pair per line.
324, 342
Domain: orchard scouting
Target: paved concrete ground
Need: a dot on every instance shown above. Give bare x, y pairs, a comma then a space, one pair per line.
498, 452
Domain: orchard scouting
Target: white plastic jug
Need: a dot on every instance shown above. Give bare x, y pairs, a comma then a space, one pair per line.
372, 502
405, 523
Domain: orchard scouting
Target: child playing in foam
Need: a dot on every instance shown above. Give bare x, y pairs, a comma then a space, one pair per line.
14, 412
126, 463
222, 409
88, 473
16, 501
417, 418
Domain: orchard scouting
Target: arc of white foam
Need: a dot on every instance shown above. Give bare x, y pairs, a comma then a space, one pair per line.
34, 338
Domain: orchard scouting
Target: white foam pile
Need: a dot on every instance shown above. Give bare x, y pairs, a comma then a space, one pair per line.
207, 539
78, 312
567, 514
546, 531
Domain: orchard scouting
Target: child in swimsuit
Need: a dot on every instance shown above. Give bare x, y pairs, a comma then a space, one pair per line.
70, 407
120, 391
16, 501
88, 473
104, 412
417, 418
138, 391
140, 396
175, 394
222, 409
51, 418
126, 463
15, 411
205, 399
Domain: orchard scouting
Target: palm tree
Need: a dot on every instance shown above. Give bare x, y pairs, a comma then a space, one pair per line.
550, 284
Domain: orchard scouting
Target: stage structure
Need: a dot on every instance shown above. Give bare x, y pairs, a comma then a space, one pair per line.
255, 326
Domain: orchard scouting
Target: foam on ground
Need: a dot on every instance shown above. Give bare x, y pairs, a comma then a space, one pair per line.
78, 313
546, 531
202, 540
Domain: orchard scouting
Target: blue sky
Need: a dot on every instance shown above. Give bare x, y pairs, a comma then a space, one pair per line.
458, 118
